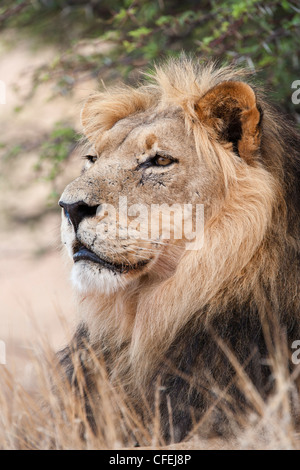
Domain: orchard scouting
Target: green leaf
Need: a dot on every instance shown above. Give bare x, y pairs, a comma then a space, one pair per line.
121, 15
163, 20
285, 5
137, 33
128, 46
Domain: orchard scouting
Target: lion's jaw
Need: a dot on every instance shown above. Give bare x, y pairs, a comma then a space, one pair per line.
107, 255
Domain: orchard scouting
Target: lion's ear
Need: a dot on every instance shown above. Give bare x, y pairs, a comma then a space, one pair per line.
231, 110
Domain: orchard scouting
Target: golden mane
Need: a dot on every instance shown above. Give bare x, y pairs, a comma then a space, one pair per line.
235, 236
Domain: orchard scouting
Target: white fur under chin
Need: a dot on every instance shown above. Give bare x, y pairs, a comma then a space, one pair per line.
86, 278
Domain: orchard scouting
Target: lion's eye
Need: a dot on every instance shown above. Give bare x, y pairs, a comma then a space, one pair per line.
91, 158
160, 160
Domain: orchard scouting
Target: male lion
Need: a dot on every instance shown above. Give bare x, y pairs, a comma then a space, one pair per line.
178, 327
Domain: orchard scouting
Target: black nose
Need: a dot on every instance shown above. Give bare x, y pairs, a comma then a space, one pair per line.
78, 211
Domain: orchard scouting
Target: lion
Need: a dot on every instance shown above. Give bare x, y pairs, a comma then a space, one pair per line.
178, 326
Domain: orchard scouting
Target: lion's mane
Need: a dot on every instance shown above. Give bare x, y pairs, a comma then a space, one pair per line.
222, 300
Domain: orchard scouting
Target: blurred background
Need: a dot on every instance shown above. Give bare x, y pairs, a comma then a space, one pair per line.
53, 53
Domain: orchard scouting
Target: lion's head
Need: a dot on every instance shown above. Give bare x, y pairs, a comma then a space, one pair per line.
152, 147
194, 135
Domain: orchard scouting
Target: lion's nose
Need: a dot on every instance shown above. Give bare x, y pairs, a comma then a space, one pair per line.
77, 211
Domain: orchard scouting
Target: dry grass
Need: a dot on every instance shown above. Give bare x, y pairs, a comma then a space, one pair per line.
49, 415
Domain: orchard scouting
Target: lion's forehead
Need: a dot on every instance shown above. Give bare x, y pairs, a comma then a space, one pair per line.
135, 130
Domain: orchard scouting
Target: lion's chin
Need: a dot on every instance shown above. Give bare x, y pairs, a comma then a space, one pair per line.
88, 278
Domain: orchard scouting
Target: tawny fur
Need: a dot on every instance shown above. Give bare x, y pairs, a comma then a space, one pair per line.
248, 265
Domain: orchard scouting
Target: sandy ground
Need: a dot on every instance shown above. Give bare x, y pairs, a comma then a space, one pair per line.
36, 299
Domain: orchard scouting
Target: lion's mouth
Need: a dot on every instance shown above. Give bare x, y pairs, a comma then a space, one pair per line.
82, 253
